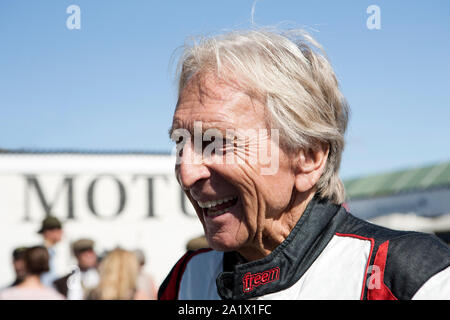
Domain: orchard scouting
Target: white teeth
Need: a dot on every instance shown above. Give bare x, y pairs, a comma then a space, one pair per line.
213, 203
216, 213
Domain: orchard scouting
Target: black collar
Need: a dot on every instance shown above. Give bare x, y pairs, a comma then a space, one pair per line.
288, 262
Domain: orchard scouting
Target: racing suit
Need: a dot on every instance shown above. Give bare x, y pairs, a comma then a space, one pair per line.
329, 254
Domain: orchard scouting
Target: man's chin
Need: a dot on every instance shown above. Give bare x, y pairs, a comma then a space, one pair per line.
220, 244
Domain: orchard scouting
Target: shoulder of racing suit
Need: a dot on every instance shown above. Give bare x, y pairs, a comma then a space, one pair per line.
401, 261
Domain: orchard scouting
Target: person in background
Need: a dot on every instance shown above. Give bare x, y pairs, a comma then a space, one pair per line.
31, 288
85, 277
19, 265
197, 243
119, 272
52, 232
145, 282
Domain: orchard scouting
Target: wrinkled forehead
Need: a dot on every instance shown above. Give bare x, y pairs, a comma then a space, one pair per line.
207, 88
215, 101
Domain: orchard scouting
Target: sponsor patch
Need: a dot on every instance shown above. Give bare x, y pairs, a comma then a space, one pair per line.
253, 280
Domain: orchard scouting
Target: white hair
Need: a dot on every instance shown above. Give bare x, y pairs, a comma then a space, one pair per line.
290, 73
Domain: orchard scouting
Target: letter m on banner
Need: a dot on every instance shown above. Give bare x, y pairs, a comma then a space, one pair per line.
46, 202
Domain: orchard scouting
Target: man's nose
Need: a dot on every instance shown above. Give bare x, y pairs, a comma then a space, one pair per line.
190, 168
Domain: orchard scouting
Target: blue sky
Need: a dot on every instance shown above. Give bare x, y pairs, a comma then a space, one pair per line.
109, 85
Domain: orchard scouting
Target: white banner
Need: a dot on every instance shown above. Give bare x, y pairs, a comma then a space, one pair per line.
131, 201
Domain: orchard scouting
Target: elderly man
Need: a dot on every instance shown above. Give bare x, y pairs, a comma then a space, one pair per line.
275, 224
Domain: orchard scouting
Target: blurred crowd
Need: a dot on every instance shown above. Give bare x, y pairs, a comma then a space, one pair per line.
114, 275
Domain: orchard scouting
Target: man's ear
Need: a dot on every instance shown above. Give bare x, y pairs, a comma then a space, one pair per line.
309, 166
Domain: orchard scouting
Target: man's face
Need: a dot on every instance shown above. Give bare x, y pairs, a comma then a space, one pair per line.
234, 201
87, 259
53, 235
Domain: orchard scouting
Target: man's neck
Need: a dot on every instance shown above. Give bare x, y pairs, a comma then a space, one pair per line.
48, 243
277, 230
31, 281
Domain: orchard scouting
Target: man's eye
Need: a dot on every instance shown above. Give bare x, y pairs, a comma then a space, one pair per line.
217, 145
207, 143
230, 143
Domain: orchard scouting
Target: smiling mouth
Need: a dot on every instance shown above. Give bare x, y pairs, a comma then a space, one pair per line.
217, 207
